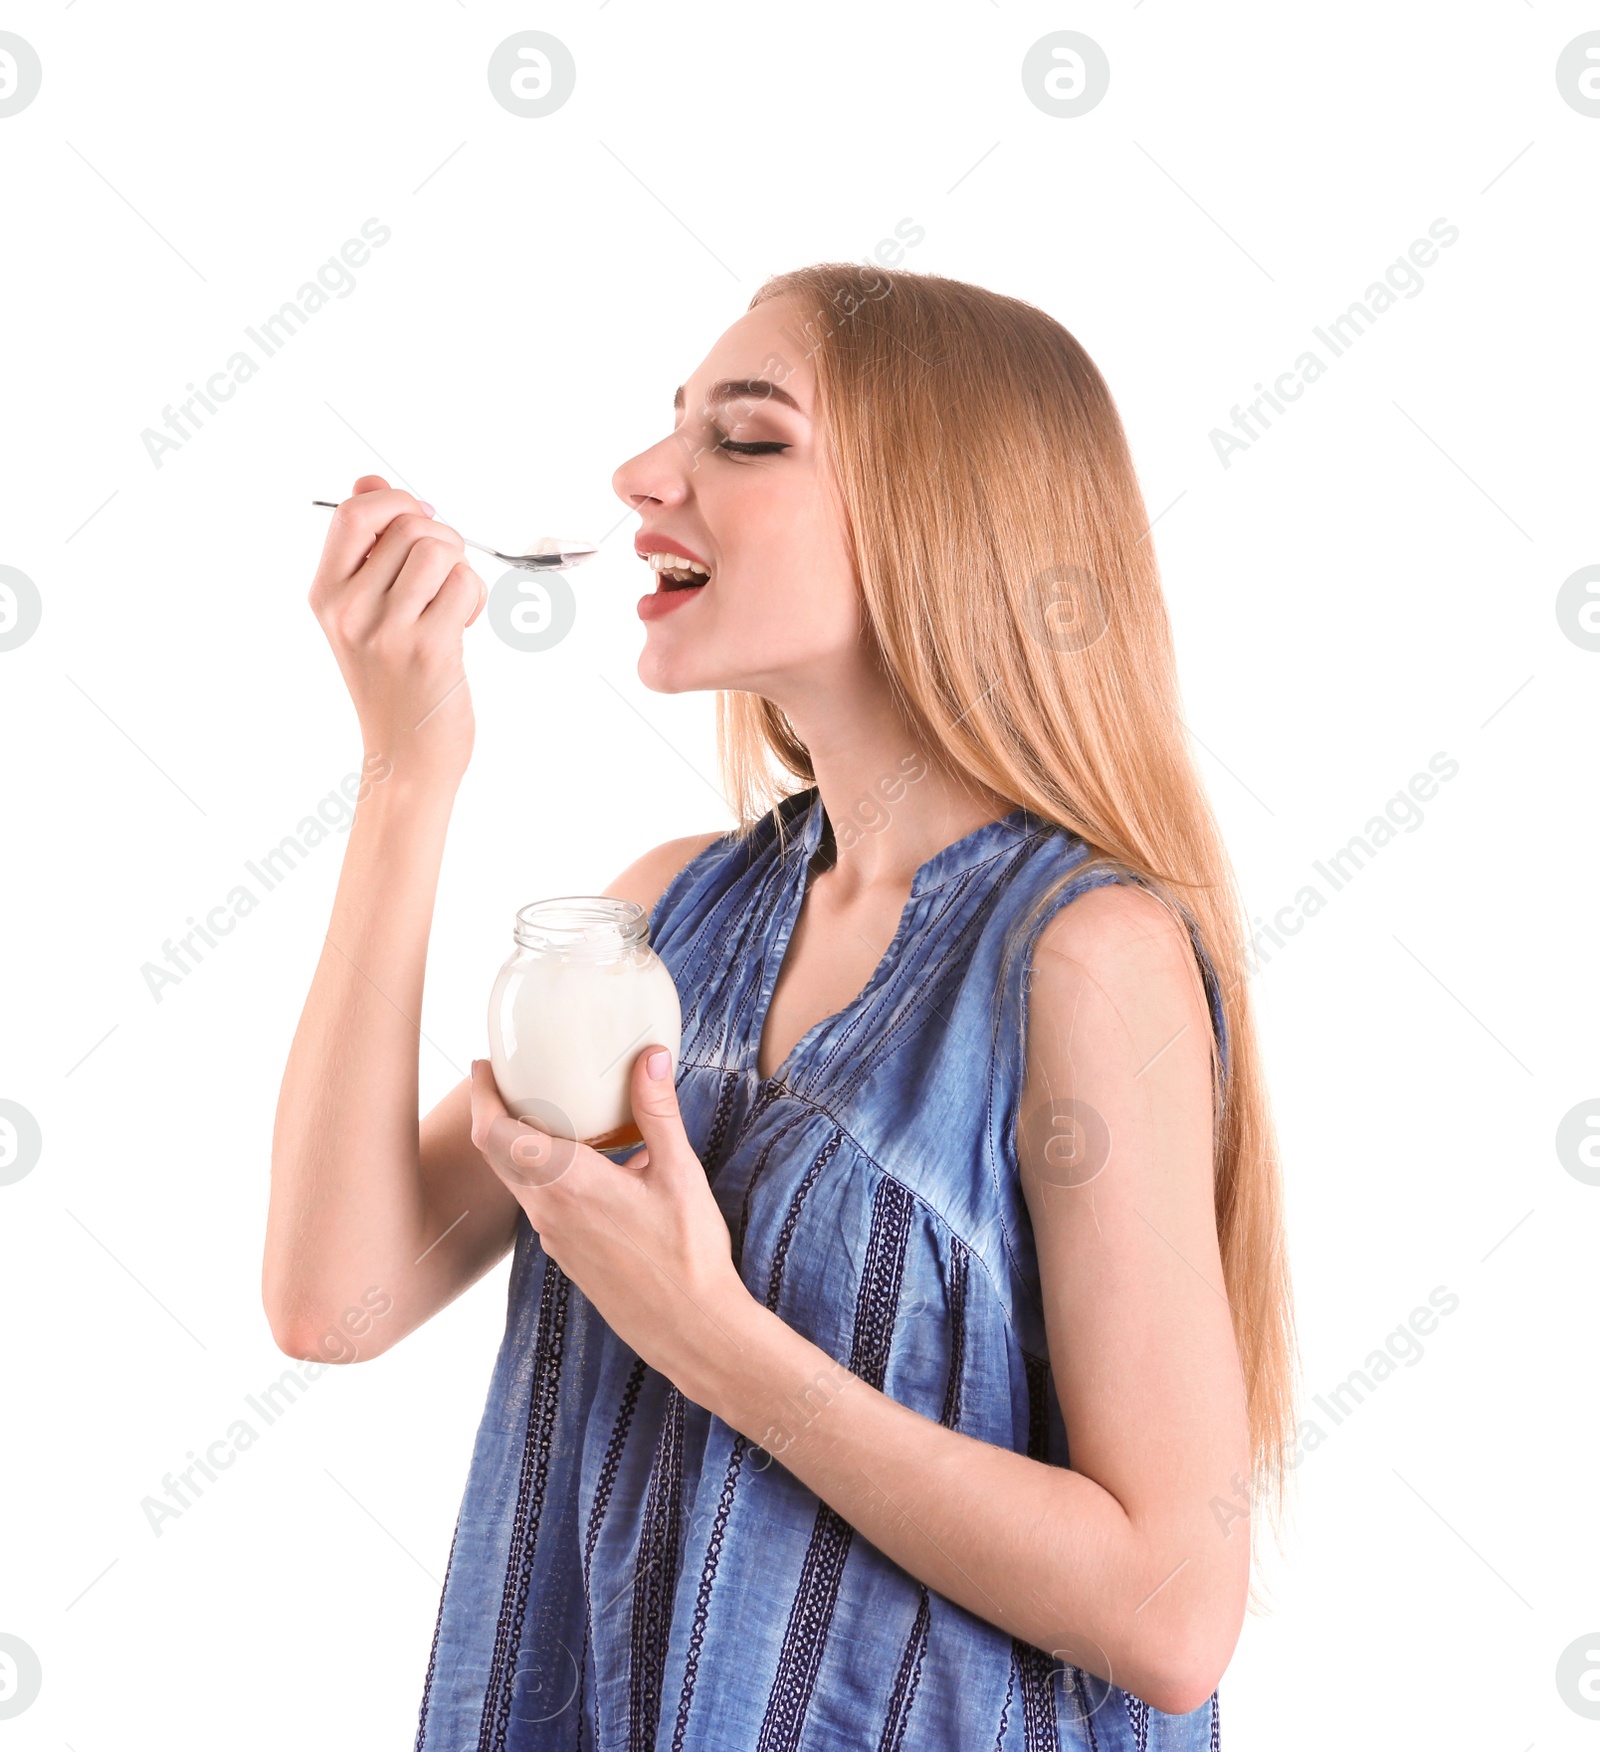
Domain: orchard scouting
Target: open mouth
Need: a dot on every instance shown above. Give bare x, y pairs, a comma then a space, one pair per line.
675, 573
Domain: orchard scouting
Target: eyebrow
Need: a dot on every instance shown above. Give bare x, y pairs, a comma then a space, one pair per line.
742, 389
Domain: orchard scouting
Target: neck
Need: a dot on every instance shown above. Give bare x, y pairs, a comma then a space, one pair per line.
891, 801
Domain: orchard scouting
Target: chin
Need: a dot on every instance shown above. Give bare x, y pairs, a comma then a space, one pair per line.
670, 672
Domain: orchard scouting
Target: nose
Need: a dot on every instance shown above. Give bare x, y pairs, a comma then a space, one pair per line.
656, 474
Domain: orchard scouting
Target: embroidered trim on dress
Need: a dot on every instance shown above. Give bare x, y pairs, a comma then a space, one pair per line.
763, 1101
702, 1604
433, 1652
1138, 1719
904, 1694
655, 1578
780, 1252
543, 1395
719, 1124
1005, 1708
806, 1636
597, 1514
960, 1253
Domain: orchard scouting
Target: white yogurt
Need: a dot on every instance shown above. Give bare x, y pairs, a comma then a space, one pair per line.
580, 997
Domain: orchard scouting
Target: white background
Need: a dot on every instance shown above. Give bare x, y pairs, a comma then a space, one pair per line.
1371, 583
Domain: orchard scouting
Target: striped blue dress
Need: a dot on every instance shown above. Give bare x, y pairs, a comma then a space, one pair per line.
629, 1573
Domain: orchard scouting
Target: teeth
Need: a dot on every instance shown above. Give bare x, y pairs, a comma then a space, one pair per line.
677, 563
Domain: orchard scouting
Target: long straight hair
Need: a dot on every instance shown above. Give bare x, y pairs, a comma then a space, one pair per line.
1002, 546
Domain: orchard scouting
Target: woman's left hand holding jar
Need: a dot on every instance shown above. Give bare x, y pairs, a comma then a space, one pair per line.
643, 1239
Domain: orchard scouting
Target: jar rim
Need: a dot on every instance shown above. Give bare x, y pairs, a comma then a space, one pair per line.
594, 923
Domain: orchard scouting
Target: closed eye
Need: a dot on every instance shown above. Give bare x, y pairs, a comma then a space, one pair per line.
766, 448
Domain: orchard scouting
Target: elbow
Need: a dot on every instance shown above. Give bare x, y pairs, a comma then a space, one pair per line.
308, 1339
1186, 1670
1180, 1695
311, 1328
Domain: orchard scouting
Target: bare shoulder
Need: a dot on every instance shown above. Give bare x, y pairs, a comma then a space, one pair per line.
1116, 954
1112, 931
645, 880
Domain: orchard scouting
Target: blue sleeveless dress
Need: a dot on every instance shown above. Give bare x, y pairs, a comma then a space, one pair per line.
629, 1573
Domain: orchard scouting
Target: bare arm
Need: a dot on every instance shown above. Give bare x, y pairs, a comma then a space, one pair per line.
376, 1221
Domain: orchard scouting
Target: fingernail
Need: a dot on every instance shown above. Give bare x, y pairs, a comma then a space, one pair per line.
658, 1064
427, 509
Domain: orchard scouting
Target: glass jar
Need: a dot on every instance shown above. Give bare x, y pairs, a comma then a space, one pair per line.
580, 996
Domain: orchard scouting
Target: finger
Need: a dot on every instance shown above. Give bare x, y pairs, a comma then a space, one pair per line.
387, 557
458, 601
487, 1102
655, 1107
422, 574
370, 484
516, 1149
356, 525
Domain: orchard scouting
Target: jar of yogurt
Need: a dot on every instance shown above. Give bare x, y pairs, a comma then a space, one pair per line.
580, 996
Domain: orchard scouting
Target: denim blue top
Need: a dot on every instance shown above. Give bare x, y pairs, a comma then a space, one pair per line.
630, 1573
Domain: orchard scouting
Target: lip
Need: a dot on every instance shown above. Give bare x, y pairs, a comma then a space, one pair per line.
663, 602
645, 544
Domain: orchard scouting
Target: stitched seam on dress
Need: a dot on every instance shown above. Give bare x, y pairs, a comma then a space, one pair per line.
655, 1579
816, 1596
1100, 878
433, 1652
543, 1392
884, 977
702, 1604
944, 955
1216, 1724
922, 1203
923, 984
914, 1011
726, 921
666, 900
1009, 1169
756, 942
775, 887
719, 916
917, 1198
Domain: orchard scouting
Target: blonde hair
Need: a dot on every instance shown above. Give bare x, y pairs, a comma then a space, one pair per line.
1001, 542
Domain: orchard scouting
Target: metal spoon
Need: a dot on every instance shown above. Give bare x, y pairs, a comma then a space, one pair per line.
571, 554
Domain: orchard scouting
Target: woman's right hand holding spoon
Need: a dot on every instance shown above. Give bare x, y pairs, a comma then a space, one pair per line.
394, 593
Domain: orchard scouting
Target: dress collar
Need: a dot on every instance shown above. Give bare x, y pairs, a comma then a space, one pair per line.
955, 859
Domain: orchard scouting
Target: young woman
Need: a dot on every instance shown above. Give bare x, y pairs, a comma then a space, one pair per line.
912, 1387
